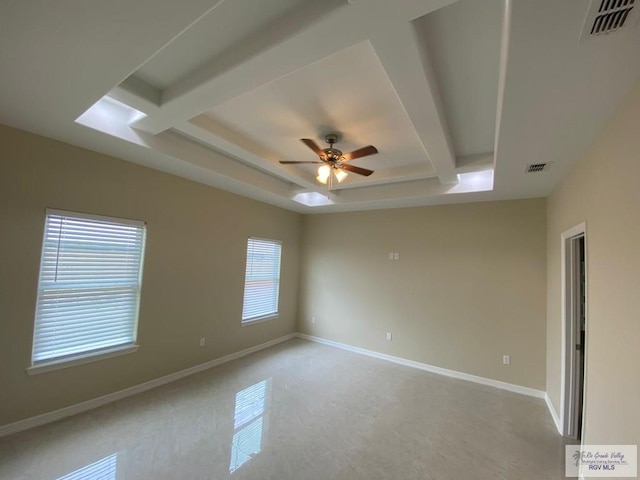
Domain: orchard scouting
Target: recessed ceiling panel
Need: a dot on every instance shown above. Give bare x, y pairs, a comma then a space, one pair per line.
347, 92
463, 43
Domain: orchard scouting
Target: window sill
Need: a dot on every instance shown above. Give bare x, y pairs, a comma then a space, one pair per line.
57, 364
251, 321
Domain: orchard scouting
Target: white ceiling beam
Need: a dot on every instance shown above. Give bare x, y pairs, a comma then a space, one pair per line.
209, 131
417, 90
404, 10
389, 175
297, 51
475, 163
466, 164
174, 145
138, 94
411, 189
411, 75
393, 33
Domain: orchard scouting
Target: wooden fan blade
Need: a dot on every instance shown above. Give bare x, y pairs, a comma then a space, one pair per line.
361, 152
313, 146
287, 162
352, 168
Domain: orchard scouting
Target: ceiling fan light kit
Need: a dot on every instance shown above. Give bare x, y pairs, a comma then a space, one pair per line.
324, 172
340, 174
333, 160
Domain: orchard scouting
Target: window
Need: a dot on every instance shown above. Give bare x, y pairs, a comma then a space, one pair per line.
262, 280
89, 286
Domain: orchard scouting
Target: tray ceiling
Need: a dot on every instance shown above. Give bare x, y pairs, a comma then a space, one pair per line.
458, 96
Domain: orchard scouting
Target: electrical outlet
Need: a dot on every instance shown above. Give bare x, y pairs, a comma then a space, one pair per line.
390, 255
396, 256
313, 319
203, 340
389, 336
506, 359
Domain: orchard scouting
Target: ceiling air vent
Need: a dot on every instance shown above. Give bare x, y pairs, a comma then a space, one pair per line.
536, 167
608, 16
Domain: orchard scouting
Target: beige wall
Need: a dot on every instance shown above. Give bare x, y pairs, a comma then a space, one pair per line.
603, 190
193, 270
469, 287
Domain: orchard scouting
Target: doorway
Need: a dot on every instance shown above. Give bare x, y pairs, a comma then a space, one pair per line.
575, 330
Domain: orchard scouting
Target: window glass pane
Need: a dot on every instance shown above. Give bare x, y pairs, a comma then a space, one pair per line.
89, 285
262, 279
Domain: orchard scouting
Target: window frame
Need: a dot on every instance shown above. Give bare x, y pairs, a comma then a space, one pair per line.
96, 354
265, 316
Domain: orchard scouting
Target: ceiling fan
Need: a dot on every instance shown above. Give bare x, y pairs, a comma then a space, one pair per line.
333, 160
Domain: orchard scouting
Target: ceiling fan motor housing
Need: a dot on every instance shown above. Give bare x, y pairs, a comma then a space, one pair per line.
333, 154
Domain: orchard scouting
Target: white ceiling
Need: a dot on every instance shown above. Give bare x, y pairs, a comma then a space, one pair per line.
458, 96
310, 103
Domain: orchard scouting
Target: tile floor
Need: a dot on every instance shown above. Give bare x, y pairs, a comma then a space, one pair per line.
299, 411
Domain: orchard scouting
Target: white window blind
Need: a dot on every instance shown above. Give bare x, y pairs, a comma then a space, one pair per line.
89, 286
262, 279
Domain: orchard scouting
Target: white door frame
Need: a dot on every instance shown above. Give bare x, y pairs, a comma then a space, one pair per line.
566, 237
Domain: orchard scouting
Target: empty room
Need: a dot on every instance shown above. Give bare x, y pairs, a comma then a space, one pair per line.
293, 239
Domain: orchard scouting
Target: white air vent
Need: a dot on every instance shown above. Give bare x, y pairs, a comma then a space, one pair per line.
608, 16
536, 167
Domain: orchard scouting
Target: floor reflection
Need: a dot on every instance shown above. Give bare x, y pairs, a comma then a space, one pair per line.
322, 415
104, 469
250, 423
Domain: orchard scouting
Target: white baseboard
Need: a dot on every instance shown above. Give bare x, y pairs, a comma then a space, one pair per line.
49, 417
429, 368
554, 415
